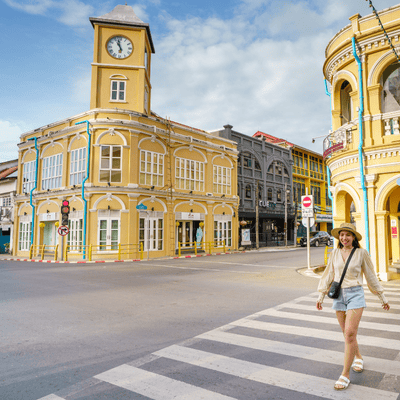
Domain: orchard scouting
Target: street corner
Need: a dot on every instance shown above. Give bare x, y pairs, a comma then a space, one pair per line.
313, 272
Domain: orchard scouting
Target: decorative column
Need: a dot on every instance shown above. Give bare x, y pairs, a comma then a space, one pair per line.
381, 261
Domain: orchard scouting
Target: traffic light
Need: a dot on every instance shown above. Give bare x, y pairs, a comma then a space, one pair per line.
64, 212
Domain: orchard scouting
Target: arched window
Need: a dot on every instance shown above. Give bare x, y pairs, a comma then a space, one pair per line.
269, 194
345, 103
248, 192
391, 88
257, 165
279, 195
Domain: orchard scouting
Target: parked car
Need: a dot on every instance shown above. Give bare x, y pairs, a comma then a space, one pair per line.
317, 238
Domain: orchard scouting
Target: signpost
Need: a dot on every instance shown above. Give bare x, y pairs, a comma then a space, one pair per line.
307, 210
142, 207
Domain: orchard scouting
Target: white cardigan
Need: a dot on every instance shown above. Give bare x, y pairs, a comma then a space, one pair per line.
360, 264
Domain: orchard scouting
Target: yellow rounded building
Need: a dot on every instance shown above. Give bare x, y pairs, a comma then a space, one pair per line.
363, 149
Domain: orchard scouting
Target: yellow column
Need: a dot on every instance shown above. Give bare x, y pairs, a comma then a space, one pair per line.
133, 216
382, 258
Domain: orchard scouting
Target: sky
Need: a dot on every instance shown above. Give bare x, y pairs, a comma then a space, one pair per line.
253, 64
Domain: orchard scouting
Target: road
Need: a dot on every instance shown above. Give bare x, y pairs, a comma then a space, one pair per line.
233, 326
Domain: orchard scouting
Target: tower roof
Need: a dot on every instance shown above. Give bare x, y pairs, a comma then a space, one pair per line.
123, 16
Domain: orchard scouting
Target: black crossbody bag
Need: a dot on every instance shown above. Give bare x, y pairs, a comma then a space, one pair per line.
334, 290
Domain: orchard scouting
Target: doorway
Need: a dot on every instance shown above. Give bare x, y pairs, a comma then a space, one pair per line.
49, 234
186, 233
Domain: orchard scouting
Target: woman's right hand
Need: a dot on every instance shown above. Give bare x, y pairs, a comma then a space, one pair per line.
319, 305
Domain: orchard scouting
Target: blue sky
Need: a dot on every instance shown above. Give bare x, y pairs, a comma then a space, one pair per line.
255, 64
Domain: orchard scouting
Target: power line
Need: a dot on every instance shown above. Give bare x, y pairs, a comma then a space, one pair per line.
384, 30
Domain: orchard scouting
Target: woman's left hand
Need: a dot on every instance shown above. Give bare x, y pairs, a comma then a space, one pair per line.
386, 306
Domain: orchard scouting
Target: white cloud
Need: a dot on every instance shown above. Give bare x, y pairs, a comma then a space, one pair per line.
75, 13
38, 7
11, 131
209, 73
69, 12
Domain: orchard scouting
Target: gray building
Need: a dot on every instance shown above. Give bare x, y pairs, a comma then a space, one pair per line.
264, 171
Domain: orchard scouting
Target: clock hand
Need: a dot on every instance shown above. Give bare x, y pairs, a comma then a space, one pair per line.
119, 45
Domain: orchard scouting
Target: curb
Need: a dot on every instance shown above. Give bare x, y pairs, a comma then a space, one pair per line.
129, 260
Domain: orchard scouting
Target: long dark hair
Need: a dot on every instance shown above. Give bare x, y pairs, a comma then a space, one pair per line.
356, 243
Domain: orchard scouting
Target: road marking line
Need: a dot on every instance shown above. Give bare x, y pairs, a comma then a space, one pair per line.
327, 320
316, 333
52, 397
372, 314
286, 379
156, 386
205, 269
297, 351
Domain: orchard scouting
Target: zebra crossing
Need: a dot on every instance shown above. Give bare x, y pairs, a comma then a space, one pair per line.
291, 351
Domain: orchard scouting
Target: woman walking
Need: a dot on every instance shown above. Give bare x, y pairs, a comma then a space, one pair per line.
350, 304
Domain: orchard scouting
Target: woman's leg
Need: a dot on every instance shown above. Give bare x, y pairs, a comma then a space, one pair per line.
349, 324
341, 317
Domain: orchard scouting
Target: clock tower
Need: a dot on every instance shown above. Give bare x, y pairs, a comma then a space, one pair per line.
121, 61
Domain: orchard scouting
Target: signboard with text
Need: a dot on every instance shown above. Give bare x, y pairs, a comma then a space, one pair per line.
307, 206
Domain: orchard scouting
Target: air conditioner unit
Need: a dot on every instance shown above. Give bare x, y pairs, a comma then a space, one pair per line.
209, 194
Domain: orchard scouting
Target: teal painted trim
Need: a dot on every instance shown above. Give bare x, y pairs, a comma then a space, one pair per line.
361, 143
34, 188
83, 185
328, 171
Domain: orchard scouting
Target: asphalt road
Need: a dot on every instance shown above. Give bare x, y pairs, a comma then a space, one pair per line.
62, 324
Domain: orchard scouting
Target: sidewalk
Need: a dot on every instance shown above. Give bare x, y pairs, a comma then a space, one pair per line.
8, 257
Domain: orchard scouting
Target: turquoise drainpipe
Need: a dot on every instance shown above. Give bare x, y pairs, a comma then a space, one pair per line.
361, 142
328, 171
83, 185
34, 188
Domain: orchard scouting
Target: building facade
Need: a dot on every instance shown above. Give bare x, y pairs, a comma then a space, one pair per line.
309, 177
8, 186
131, 177
265, 187
363, 149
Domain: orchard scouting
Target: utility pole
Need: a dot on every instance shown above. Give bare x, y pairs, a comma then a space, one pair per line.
257, 238
286, 196
295, 216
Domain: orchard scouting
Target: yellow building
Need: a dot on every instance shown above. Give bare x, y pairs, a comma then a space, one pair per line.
130, 176
363, 148
309, 176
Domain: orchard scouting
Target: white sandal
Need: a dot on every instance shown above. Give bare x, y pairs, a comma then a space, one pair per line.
359, 364
343, 382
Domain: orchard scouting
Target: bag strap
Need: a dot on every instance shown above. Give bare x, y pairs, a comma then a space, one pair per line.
347, 264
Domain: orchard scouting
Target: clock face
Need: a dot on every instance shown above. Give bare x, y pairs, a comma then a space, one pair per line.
119, 47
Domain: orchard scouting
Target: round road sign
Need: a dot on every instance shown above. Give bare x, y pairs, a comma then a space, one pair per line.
63, 230
307, 202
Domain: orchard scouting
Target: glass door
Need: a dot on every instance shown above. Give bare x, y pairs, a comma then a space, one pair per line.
75, 235
108, 234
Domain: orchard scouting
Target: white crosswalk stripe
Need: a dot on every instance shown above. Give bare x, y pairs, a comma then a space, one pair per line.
294, 332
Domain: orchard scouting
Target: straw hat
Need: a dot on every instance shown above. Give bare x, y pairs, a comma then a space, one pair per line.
346, 226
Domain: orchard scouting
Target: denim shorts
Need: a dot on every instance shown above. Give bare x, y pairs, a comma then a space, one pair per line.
350, 299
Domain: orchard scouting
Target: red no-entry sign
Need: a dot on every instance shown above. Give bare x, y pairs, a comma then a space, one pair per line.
307, 202
307, 208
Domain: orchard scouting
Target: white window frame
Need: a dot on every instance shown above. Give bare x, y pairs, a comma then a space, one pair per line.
6, 202
24, 236
118, 91
28, 176
110, 243
75, 235
151, 168
151, 232
189, 174
222, 179
77, 170
223, 230
111, 159
52, 171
